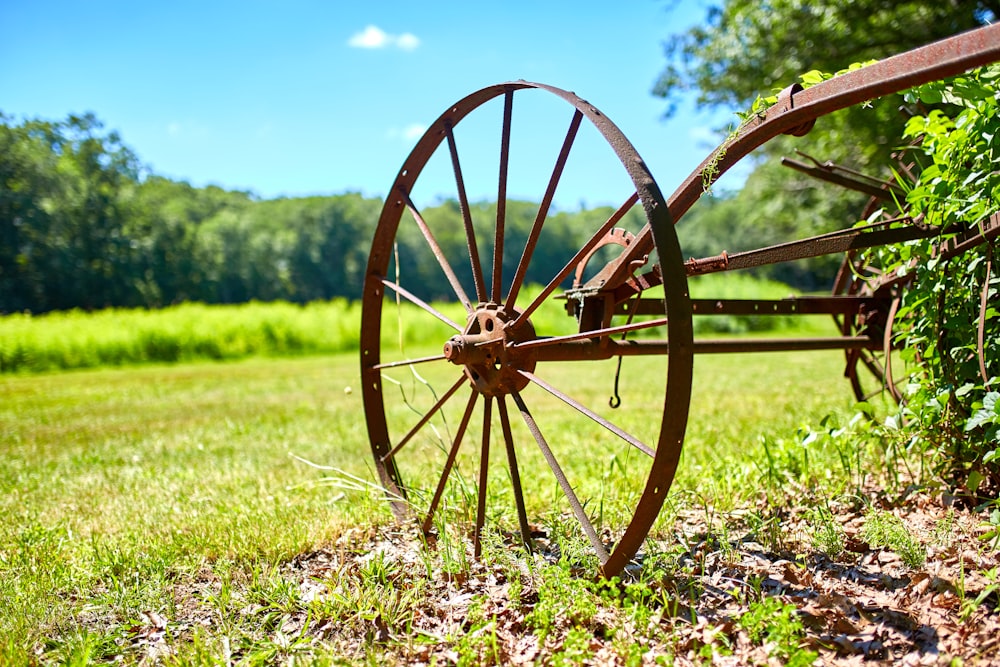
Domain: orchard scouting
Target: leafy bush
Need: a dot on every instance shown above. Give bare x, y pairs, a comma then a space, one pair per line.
951, 320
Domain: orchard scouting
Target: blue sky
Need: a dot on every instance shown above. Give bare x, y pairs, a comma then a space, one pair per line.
302, 97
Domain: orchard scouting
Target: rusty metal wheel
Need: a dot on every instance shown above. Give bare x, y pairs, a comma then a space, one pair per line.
870, 371
495, 362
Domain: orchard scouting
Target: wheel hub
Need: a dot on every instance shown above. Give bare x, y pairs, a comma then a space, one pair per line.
485, 350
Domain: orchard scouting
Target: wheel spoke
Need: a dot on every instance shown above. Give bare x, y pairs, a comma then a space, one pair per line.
408, 362
452, 453
515, 476
627, 437
463, 203
595, 333
567, 489
416, 300
484, 467
508, 103
426, 418
438, 253
577, 258
543, 210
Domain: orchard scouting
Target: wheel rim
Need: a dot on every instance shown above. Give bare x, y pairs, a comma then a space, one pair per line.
482, 374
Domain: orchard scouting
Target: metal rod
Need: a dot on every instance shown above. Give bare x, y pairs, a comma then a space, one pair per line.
508, 104
484, 467
449, 463
826, 244
543, 209
847, 178
416, 300
567, 489
438, 253
515, 476
426, 418
408, 362
463, 203
579, 407
608, 348
583, 335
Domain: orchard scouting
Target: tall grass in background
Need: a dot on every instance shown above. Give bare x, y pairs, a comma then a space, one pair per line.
187, 332
194, 331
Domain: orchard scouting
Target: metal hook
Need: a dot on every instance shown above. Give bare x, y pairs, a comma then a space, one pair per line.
616, 400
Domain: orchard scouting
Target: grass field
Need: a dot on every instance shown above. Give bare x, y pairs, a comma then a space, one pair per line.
124, 487
226, 512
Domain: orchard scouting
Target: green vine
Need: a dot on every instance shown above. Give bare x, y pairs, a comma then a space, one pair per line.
953, 402
758, 110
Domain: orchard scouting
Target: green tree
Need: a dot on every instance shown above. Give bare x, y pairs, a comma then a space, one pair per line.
27, 172
68, 192
747, 48
164, 231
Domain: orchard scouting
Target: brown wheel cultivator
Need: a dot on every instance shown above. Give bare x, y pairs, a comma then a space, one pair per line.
494, 374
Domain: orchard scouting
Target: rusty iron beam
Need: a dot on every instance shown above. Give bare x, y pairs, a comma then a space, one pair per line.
816, 246
798, 108
589, 350
793, 305
847, 178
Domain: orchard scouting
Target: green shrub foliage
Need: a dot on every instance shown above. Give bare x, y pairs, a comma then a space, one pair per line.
950, 325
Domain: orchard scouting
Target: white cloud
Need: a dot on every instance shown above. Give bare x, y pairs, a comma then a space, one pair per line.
407, 41
414, 131
408, 134
373, 37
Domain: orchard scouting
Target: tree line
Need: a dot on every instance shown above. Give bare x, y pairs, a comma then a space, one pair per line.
82, 226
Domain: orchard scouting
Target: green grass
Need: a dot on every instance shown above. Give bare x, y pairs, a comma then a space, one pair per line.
193, 331
149, 490
121, 484
75, 339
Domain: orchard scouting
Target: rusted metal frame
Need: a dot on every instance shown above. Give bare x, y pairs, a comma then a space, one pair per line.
590, 414
593, 334
484, 467
797, 108
795, 305
498, 241
417, 301
567, 488
543, 209
428, 522
439, 255
577, 258
608, 348
463, 203
847, 178
426, 418
515, 475
803, 305
826, 244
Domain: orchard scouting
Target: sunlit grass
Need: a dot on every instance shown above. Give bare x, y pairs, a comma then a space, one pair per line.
121, 485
